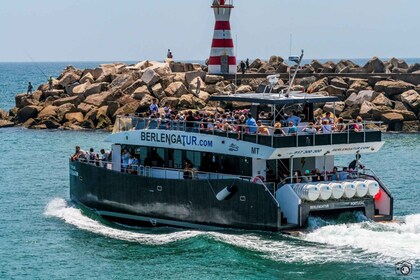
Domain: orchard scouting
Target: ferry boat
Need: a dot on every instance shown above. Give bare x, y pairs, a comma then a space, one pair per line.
237, 177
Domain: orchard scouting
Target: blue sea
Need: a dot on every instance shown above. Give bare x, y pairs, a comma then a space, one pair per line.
43, 236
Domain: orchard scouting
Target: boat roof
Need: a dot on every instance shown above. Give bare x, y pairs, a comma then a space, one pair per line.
275, 98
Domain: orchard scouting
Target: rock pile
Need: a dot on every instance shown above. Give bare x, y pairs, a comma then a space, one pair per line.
92, 98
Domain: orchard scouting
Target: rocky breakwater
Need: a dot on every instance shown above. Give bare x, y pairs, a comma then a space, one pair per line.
92, 98
386, 91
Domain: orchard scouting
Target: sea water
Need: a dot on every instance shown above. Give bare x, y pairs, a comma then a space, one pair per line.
42, 235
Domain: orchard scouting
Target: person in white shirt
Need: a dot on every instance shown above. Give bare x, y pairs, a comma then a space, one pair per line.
295, 119
125, 157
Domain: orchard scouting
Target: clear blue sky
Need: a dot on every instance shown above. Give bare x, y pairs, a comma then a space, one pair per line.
98, 30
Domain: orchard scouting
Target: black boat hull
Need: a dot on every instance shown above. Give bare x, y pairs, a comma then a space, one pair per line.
133, 199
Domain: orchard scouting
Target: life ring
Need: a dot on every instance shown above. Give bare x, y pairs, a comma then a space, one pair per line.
257, 179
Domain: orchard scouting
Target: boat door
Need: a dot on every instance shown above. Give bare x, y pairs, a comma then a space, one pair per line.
224, 64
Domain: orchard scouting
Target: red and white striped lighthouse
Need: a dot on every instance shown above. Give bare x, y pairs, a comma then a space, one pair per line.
222, 57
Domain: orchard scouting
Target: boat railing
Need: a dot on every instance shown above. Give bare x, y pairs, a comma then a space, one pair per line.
305, 135
326, 178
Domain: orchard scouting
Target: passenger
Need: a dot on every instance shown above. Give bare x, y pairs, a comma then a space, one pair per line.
251, 124
153, 108
93, 157
188, 169
352, 126
343, 175
293, 118
125, 157
79, 154
133, 164
104, 157
278, 130
167, 109
334, 176
318, 123
310, 128
326, 127
190, 121
359, 123
307, 177
328, 118
340, 126
356, 164
317, 176
292, 129
262, 129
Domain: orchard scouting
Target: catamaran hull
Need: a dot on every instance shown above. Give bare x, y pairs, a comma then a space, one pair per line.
139, 200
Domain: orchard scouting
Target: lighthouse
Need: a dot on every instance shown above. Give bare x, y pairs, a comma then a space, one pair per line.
222, 57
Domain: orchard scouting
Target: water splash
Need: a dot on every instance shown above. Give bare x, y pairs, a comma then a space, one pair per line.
59, 208
365, 242
390, 241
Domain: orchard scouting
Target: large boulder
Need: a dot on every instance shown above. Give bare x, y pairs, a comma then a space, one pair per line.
5, 123
122, 82
23, 100
112, 107
339, 107
339, 82
244, 89
359, 84
47, 112
99, 99
256, 64
176, 89
358, 99
192, 76
367, 109
130, 89
392, 117
87, 78
375, 65
382, 100
393, 87
139, 93
335, 91
186, 101
413, 68
3, 115
162, 69
28, 112
79, 89
95, 88
84, 107
411, 127
75, 100
69, 78
74, 117
157, 91
411, 98
129, 108
64, 109
150, 77
318, 85
213, 79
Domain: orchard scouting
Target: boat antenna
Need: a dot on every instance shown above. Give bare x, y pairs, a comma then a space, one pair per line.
298, 61
36, 64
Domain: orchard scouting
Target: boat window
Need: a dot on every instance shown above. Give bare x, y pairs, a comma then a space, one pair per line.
195, 158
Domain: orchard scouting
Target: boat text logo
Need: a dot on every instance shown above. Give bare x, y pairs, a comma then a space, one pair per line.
173, 139
233, 148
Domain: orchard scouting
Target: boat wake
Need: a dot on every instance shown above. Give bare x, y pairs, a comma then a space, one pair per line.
363, 242
60, 208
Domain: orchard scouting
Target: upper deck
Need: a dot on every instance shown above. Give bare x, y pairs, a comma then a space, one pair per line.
348, 141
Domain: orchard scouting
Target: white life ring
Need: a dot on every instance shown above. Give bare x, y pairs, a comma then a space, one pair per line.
257, 179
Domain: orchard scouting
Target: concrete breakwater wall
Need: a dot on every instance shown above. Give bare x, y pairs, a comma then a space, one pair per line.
92, 98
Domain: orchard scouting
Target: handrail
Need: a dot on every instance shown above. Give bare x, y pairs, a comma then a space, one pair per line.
261, 182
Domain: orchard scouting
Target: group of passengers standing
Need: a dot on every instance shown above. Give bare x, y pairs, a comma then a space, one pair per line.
242, 121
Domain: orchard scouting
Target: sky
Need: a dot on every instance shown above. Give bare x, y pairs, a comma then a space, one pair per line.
134, 30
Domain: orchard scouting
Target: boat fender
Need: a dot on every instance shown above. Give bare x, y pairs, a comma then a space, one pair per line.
361, 189
258, 179
226, 193
373, 187
325, 191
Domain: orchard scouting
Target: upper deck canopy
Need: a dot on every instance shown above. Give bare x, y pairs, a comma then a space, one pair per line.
275, 98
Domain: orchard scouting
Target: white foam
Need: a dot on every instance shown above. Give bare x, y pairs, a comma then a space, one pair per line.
59, 208
390, 241
364, 242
